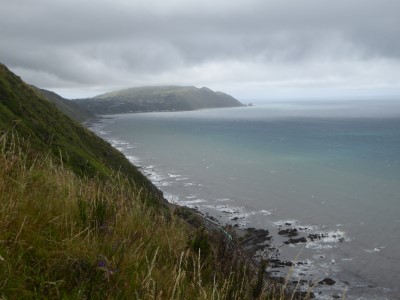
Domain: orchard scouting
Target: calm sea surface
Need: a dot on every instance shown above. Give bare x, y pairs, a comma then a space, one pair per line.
331, 168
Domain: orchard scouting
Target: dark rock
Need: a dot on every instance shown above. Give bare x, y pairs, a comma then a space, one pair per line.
258, 231
288, 224
327, 281
316, 236
303, 295
276, 263
288, 232
287, 263
296, 241
256, 239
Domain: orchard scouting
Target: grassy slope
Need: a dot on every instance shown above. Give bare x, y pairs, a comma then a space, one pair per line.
31, 115
68, 107
80, 230
166, 98
63, 236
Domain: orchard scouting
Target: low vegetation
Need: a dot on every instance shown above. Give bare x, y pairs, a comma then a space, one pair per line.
25, 110
78, 221
62, 235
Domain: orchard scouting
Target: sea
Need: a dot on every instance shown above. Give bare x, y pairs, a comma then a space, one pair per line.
329, 168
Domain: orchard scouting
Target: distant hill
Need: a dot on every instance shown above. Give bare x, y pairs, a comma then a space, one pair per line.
158, 98
68, 107
26, 112
71, 227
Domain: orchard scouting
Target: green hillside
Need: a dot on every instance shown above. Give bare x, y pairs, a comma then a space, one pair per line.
164, 98
68, 107
25, 110
78, 221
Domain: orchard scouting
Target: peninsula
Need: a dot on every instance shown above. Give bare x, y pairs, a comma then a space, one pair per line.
157, 98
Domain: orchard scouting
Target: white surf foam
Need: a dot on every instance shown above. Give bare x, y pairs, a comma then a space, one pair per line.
223, 200
133, 159
283, 222
372, 250
317, 246
173, 175
186, 202
181, 178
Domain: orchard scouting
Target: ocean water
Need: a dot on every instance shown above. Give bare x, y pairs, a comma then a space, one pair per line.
324, 167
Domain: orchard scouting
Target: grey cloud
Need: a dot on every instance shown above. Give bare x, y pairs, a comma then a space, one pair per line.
87, 43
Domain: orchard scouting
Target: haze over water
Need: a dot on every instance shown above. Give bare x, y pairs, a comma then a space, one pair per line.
329, 166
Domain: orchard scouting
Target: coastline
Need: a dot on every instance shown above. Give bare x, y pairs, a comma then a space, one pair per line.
280, 243
253, 245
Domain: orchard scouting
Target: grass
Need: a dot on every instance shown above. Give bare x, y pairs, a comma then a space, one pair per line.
50, 131
78, 221
68, 107
64, 236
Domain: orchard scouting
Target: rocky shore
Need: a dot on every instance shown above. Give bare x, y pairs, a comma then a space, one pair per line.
259, 247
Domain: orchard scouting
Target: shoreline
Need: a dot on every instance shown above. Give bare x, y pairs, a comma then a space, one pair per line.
255, 245
245, 243
258, 242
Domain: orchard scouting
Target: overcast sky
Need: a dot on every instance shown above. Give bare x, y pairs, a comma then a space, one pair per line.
251, 49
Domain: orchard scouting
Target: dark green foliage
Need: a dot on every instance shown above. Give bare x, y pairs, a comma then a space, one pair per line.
83, 212
189, 216
200, 243
257, 288
94, 214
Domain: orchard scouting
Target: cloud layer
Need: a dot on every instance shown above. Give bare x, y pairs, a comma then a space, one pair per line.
253, 48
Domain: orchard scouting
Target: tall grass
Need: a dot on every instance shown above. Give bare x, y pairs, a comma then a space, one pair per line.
64, 236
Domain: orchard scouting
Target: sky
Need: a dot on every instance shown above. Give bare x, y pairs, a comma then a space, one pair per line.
251, 49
